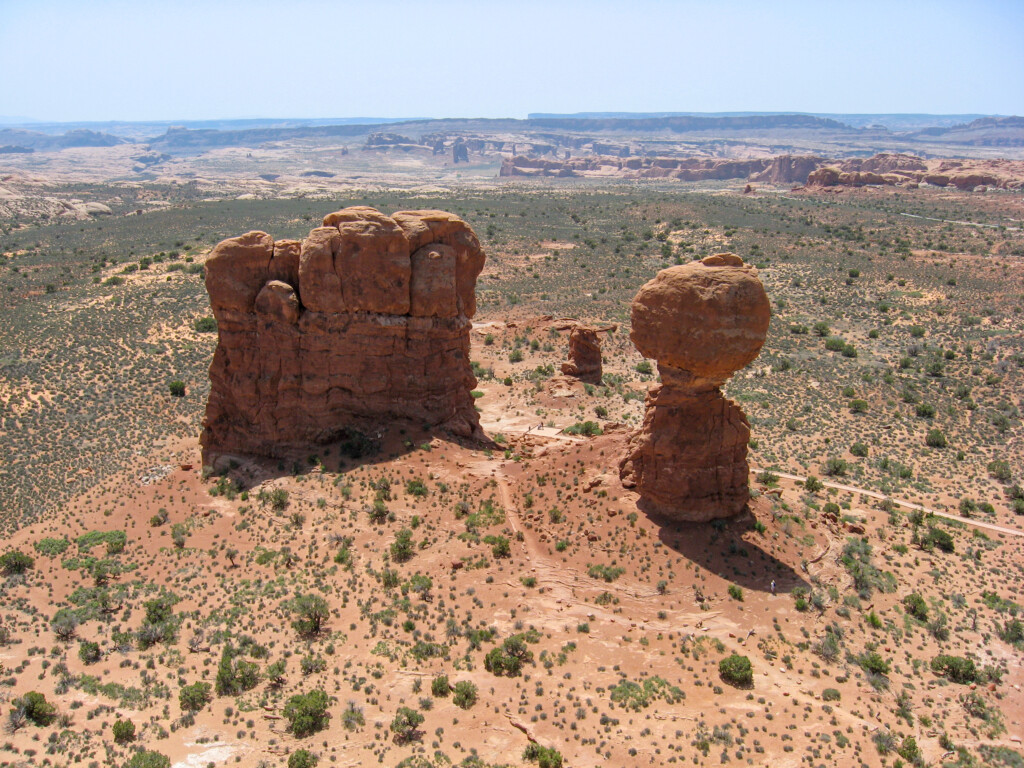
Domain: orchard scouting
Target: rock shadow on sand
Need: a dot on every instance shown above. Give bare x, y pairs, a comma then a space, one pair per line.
728, 547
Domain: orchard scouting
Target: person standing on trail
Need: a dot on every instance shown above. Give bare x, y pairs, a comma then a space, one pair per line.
773, 586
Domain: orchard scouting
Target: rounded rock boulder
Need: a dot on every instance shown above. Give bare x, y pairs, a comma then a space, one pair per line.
708, 317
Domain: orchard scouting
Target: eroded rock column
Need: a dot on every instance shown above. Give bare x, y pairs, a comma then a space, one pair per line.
702, 322
584, 361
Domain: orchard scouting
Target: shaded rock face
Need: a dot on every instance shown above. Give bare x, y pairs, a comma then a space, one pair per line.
584, 355
364, 321
702, 322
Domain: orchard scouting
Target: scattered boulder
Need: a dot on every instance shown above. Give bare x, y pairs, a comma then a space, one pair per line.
94, 209
584, 355
365, 321
823, 177
702, 322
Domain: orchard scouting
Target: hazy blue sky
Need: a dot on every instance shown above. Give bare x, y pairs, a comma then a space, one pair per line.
164, 59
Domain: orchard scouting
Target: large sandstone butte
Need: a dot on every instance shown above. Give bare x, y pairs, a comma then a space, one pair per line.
702, 322
365, 321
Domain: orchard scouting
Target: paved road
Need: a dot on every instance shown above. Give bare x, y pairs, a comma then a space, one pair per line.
907, 504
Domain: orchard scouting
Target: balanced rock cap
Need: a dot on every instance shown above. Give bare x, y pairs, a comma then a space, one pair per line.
708, 317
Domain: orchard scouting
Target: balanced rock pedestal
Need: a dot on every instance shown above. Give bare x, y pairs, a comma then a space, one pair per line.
365, 321
702, 322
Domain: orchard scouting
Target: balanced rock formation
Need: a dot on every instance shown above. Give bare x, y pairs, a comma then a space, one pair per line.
364, 321
702, 322
584, 361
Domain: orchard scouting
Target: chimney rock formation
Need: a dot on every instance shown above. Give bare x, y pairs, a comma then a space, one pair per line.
584, 355
702, 322
364, 321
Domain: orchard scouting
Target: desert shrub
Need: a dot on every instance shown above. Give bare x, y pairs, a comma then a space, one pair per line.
353, 717
307, 713
89, 652
831, 694
1000, 470
606, 572
148, 758
206, 325
51, 547
828, 647
193, 698
835, 467
500, 546
159, 623
546, 757
935, 438
508, 658
402, 548
406, 724
465, 694
937, 538
176, 387
585, 428
873, 662
235, 675
416, 488
915, 605
1012, 632
14, 562
885, 742
439, 686
302, 758
909, 750
736, 670
312, 611
123, 731
637, 696
356, 445
856, 558
37, 709
956, 669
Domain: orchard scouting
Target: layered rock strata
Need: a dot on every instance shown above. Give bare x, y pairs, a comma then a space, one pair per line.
702, 322
584, 361
365, 321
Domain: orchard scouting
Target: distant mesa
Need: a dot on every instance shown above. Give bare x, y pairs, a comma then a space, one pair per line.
391, 141
907, 170
365, 321
814, 171
702, 322
782, 169
42, 142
